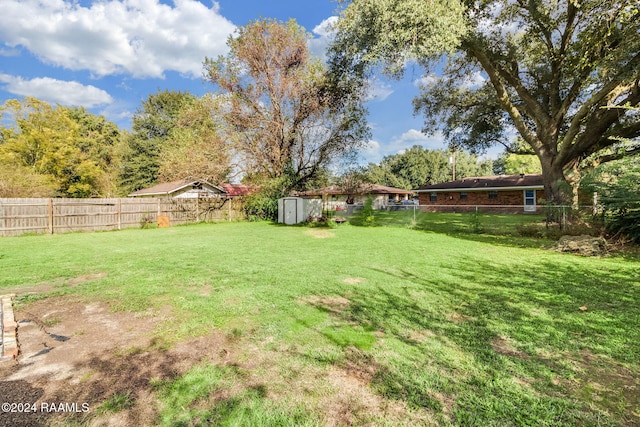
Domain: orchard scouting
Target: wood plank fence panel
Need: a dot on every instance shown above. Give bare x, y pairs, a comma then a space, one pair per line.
20, 216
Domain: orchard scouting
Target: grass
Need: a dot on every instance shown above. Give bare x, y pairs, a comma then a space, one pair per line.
440, 326
453, 223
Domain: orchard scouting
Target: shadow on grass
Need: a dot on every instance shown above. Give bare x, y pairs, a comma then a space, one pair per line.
513, 341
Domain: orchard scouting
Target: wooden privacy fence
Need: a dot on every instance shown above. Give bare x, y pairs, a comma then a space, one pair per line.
20, 216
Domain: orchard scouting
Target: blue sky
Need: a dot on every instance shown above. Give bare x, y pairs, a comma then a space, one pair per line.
110, 55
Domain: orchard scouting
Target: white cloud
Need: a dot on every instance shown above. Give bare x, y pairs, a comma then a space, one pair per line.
415, 137
144, 38
374, 151
471, 81
377, 90
474, 80
372, 146
9, 52
56, 91
324, 33
371, 152
425, 80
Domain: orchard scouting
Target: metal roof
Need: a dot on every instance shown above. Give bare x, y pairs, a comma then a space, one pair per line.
234, 190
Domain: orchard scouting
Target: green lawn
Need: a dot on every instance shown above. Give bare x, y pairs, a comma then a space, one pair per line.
440, 329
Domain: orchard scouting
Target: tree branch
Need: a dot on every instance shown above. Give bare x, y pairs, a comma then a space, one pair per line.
503, 96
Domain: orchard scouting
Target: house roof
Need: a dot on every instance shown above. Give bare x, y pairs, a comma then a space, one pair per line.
167, 188
364, 189
477, 183
234, 190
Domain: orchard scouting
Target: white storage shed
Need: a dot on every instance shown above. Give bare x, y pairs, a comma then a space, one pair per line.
294, 210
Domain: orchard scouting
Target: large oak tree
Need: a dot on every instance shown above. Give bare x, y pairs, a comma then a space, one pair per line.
557, 72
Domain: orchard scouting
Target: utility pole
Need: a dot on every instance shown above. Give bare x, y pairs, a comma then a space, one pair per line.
452, 160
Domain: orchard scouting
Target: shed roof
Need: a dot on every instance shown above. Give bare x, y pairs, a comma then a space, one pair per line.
488, 183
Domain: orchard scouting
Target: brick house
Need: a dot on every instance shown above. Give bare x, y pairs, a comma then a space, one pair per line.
503, 193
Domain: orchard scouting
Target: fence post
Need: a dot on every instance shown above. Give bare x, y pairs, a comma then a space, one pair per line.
197, 209
119, 214
50, 215
229, 208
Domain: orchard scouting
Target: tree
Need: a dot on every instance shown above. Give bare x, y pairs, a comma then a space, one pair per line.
468, 164
21, 181
419, 166
551, 71
196, 148
55, 148
99, 140
283, 114
511, 164
151, 133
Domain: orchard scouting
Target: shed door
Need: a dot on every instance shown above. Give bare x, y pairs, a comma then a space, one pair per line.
529, 200
290, 211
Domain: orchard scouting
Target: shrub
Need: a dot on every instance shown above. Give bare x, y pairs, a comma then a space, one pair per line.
261, 206
146, 221
617, 184
322, 221
530, 230
476, 223
368, 215
625, 223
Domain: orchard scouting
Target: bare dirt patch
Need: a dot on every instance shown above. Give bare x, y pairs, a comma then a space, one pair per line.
320, 233
504, 346
335, 305
456, 317
421, 335
357, 403
89, 355
608, 385
85, 278
45, 288
353, 280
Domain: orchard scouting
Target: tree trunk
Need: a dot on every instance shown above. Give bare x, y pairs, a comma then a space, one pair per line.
557, 190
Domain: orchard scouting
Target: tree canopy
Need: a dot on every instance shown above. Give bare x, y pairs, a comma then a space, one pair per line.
512, 164
280, 109
557, 73
418, 166
151, 133
196, 147
56, 151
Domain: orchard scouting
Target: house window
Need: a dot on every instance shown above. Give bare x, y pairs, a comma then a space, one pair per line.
463, 196
433, 197
529, 200
493, 195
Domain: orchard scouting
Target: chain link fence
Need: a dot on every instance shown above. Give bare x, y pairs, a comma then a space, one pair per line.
518, 220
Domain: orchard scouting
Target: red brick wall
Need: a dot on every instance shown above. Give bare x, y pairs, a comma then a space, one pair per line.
506, 197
